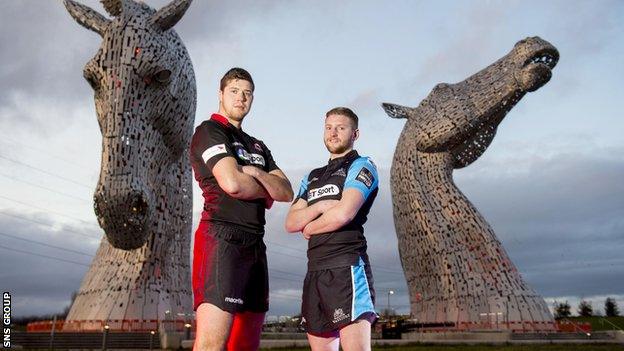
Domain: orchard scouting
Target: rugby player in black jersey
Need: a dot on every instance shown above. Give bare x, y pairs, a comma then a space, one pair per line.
331, 207
239, 179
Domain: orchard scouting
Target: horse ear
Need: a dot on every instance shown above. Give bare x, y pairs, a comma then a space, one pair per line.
87, 17
397, 111
113, 7
169, 15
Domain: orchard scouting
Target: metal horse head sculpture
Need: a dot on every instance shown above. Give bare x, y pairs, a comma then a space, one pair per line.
450, 254
145, 98
145, 101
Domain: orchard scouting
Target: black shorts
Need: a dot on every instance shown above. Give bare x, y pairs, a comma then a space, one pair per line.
230, 269
336, 297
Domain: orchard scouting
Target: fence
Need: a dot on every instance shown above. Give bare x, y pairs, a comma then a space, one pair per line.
117, 325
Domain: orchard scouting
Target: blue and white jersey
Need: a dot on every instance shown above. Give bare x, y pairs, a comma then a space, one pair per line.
344, 246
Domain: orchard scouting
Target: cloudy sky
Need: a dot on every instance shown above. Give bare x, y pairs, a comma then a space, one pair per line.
550, 184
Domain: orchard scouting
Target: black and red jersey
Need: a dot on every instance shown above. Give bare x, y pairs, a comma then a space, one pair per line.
213, 140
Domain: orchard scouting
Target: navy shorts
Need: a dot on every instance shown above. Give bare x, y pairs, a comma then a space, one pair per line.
230, 269
336, 297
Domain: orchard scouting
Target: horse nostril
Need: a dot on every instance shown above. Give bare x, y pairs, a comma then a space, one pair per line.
138, 205
98, 200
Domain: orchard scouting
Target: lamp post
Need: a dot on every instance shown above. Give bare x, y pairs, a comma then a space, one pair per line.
188, 331
104, 336
390, 292
166, 323
52, 333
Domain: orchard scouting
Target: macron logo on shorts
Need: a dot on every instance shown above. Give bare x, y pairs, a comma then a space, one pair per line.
213, 151
233, 300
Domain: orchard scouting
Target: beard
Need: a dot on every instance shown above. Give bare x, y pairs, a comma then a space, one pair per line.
338, 148
236, 114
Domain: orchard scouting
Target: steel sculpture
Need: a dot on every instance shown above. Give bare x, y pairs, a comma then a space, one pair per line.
145, 98
457, 271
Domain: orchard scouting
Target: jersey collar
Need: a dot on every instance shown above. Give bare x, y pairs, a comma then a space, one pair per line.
353, 154
221, 120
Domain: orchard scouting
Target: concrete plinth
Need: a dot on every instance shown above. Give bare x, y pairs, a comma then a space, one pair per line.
171, 340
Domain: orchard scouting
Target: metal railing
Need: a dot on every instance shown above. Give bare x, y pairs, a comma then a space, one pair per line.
116, 325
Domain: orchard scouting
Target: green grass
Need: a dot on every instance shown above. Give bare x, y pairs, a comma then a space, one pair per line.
564, 347
598, 323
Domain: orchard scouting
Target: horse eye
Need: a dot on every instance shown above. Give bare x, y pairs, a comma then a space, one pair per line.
162, 76
92, 80
93, 83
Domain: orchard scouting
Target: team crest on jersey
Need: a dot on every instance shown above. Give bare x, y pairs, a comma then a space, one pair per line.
366, 177
327, 190
339, 315
257, 146
242, 154
339, 173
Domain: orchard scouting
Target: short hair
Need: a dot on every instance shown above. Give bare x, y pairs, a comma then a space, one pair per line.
344, 111
236, 73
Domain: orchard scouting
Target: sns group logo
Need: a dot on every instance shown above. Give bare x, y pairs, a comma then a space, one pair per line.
6, 320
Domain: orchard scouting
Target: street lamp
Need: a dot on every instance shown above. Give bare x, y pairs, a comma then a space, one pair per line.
390, 292
188, 331
167, 323
104, 336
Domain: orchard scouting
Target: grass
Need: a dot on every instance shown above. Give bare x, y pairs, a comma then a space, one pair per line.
544, 347
599, 324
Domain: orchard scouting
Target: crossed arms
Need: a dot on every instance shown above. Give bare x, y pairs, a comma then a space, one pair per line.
250, 183
324, 216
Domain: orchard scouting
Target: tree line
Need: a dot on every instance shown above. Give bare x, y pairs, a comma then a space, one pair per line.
585, 309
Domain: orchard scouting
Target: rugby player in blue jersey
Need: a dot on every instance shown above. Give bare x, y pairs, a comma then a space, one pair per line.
330, 209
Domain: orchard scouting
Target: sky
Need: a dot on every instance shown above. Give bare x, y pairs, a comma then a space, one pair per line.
550, 184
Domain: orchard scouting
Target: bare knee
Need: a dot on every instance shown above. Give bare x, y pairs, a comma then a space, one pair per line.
356, 336
208, 343
328, 341
210, 340
213, 328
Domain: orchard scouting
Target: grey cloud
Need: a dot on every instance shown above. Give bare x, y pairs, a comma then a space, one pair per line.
459, 58
43, 50
488, 31
365, 103
583, 43
568, 188
39, 284
561, 222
